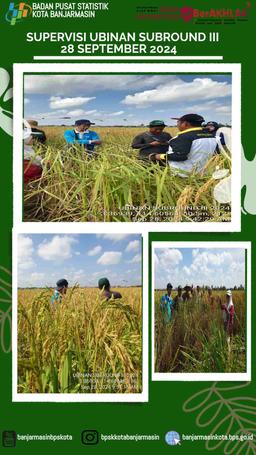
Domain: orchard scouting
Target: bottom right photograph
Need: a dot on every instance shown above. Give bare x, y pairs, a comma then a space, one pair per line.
201, 311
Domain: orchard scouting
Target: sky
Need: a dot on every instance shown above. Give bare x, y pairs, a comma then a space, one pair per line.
199, 266
82, 259
126, 99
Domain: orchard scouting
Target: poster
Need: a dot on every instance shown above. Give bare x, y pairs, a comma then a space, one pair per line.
128, 223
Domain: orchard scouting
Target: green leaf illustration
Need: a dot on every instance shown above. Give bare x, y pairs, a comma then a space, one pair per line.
5, 309
224, 414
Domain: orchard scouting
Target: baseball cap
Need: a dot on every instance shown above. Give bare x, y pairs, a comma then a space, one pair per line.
157, 123
103, 282
191, 118
229, 292
62, 283
169, 286
83, 122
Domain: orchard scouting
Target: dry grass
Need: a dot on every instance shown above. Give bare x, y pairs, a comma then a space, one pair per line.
115, 185
80, 345
195, 341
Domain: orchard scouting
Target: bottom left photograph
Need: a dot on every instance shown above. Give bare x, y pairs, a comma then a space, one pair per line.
78, 317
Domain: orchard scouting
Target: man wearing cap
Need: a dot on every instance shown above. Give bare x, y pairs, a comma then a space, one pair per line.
83, 136
60, 291
106, 293
155, 141
187, 295
166, 304
213, 128
191, 148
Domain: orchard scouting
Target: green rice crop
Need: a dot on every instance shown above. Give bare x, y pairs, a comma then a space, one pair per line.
116, 186
79, 345
195, 341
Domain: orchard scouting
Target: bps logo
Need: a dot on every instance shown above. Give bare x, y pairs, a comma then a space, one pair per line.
17, 13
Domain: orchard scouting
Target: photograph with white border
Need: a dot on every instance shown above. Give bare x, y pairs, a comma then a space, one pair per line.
201, 311
80, 328
134, 143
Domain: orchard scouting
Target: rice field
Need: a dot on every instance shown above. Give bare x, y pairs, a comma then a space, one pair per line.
80, 345
195, 341
116, 186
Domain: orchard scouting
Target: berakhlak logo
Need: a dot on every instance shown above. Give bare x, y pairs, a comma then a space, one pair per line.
172, 438
90, 437
18, 12
186, 13
9, 438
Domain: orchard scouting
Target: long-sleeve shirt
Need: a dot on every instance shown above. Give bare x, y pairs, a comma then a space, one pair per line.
85, 138
166, 307
142, 142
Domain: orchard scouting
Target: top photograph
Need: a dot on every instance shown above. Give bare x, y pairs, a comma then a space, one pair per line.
137, 148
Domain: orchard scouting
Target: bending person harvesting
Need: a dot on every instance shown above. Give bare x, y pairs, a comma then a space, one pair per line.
106, 292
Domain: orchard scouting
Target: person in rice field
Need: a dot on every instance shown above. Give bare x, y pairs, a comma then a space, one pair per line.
60, 291
106, 292
166, 304
178, 299
210, 297
155, 140
82, 135
191, 148
228, 313
187, 294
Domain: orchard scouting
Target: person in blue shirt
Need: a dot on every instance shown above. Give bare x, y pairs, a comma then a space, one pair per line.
83, 136
60, 291
166, 304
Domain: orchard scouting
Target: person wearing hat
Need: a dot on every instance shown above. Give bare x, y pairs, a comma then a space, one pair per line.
228, 313
166, 304
83, 136
213, 128
178, 299
60, 291
191, 148
106, 292
37, 134
155, 140
186, 296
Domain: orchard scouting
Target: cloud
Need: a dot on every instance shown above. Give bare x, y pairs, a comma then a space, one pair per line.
25, 252
81, 112
115, 114
114, 237
26, 101
133, 245
179, 91
68, 85
169, 258
94, 251
56, 102
135, 259
58, 249
110, 258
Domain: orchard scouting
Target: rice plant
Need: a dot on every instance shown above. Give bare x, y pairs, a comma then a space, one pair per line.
115, 186
80, 345
195, 340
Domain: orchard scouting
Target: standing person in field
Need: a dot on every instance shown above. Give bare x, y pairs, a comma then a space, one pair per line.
156, 140
213, 128
187, 295
191, 148
228, 312
83, 136
106, 292
166, 304
60, 291
178, 299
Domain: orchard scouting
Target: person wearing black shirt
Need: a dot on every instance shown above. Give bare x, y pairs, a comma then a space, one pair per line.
156, 140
